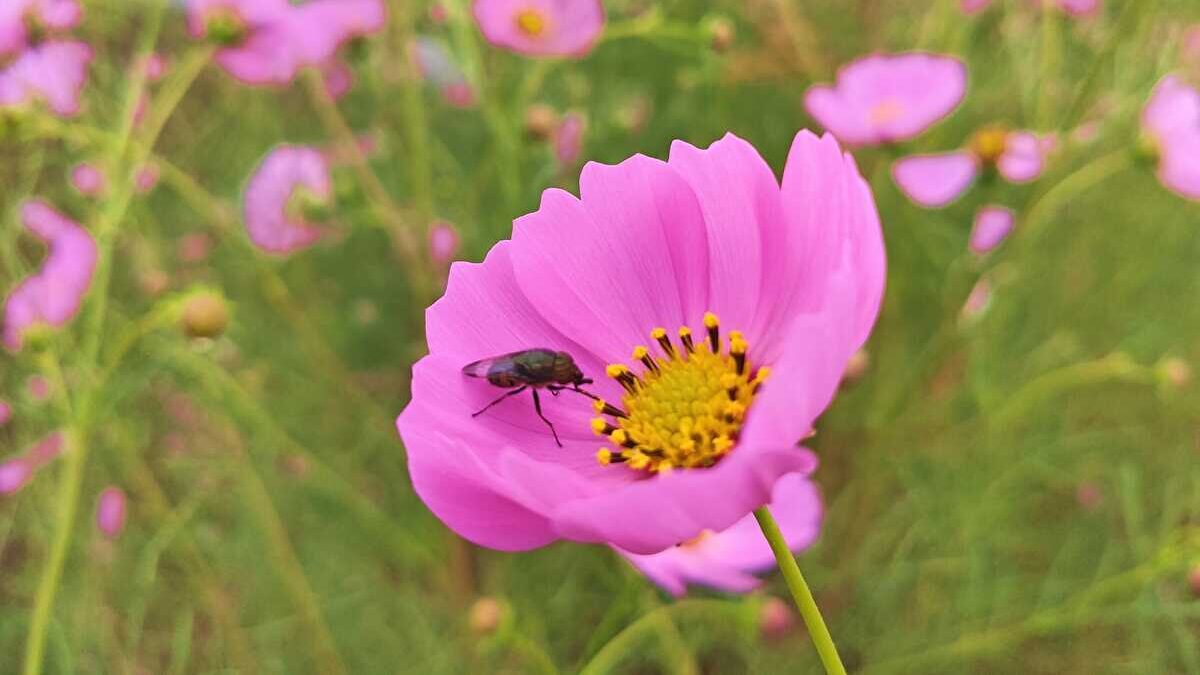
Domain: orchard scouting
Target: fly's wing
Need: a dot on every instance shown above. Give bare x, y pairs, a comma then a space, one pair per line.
482, 367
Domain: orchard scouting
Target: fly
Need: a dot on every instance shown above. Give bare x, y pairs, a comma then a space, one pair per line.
531, 369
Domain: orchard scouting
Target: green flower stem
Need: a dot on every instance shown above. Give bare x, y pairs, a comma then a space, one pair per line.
805, 602
1088, 176
716, 612
385, 207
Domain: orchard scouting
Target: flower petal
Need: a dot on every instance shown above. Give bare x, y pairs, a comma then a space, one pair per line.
283, 171
935, 180
992, 225
628, 256
1023, 158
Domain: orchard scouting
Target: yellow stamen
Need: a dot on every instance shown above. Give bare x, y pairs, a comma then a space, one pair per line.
681, 413
531, 22
989, 143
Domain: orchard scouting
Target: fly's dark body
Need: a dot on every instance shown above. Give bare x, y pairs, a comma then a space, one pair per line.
531, 369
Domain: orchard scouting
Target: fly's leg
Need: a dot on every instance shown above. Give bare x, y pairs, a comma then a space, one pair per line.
514, 392
586, 393
537, 405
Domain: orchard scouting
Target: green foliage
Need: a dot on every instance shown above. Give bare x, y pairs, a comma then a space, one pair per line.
1018, 492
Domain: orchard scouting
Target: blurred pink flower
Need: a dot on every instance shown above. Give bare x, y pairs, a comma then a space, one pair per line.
88, 179
156, 67
39, 63
884, 98
443, 242
110, 511
266, 42
438, 13
38, 388
992, 225
146, 177
16, 473
52, 295
776, 618
1077, 8
194, 247
5, 412
541, 27
799, 268
338, 78
1171, 125
568, 139
979, 299
935, 180
727, 560
438, 67
289, 178
1190, 48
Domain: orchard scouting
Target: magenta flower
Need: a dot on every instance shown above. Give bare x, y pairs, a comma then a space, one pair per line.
1171, 128
110, 511
438, 67
88, 179
290, 182
936, 180
146, 177
992, 225
886, 98
693, 437
38, 388
541, 27
16, 473
443, 242
36, 61
568, 139
53, 295
727, 560
266, 42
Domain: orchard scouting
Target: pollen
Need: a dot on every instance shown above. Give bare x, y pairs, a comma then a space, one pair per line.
531, 22
683, 406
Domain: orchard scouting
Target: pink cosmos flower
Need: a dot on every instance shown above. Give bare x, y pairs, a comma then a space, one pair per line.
36, 62
290, 179
443, 242
110, 511
695, 435
88, 180
884, 98
1171, 126
541, 27
338, 78
935, 180
38, 388
727, 560
156, 67
1077, 8
146, 177
266, 42
979, 299
53, 295
437, 66
16, 473
568, 139
992, 225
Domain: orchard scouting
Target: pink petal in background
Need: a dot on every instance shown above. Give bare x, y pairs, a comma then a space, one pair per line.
992, 225
935, 180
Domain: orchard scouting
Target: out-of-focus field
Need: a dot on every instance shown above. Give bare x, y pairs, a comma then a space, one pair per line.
1018, 491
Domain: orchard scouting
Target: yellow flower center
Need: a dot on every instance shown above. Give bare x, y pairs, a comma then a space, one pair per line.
886, 111
989, 143
531, 22
686, 408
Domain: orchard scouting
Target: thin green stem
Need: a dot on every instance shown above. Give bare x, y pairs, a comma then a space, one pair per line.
1090, 175
75, 451
621, 646
805, 602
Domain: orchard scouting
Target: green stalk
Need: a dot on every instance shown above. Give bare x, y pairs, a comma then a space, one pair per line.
805, 602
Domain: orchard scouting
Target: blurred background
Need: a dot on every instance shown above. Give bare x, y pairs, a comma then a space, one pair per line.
1012, 472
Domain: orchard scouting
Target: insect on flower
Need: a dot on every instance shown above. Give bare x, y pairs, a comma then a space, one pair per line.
531, 369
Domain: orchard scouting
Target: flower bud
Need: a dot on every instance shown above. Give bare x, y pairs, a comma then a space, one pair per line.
721, 34
540, 121
205, 315
1194, 580
775, 619
110, 511
443, 242
1174, 372
484, 616
856, 366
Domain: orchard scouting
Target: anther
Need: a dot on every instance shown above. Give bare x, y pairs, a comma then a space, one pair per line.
737, 348
685, 336
642, 354
712, 325
601, 427
621, 437
621, 374
660, 336
729, 382
759, 378
603, 407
